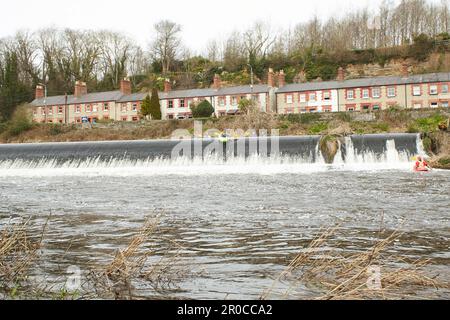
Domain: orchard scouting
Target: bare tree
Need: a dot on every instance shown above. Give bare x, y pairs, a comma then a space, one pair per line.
258, 40
115, 52
166, 46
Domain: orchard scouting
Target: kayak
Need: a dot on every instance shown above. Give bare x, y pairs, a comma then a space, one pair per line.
422, 170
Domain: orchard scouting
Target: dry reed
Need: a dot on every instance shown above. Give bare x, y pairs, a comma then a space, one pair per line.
329, 274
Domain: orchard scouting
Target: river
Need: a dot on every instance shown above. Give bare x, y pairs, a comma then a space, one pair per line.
235, 225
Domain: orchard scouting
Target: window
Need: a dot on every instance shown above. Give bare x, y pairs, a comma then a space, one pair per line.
60, 110
326, 95
350, 94
106, 107
434, 105
94, 108
391, 92
302, 97
134, 108
417, 105
170, 105
433, 89
444, 104
376, 92
255, 97
376, 107
50, 110
366, 94
417, 91
124, 119
77, 109
326, 109
312, 97
182, 103
366, 107
221, 101
135, 119
234, 101
444, 88
44, 111
88, 108
123, 107
289, 99
35, 111
170, 116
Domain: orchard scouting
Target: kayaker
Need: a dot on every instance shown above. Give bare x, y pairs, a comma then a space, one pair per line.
421, 164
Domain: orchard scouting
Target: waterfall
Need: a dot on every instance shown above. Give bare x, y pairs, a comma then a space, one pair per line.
287, 155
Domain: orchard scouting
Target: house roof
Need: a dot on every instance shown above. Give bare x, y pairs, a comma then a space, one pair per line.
259, 88
87, 98
193, 93
133, 97
366, 82
190, 93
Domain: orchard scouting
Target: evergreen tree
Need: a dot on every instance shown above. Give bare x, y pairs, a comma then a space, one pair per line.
12, 91
203, 110
155, 107
145, 108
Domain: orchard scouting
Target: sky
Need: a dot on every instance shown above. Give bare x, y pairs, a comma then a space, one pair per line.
202, 20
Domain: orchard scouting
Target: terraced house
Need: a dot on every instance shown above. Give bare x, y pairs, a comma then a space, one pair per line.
340, 95
225, 100
366, 94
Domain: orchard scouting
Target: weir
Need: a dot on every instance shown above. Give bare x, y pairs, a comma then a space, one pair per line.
365, 149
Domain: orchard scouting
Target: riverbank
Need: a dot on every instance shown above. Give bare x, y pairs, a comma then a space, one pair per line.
389, 121
428, 122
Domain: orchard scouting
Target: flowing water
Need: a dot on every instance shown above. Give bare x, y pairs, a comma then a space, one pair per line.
238, 220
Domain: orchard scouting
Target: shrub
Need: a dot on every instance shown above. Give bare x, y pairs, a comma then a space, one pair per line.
345, 117
430, 124
20, 121
55, 129
427, 144
318, 128
203, 110
412, 128
283, 126
444, 161
309, 117
383, 126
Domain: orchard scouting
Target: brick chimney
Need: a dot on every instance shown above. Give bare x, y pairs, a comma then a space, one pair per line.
341, 74
281, 79
39, 92
405, 70
125, 86
217, 82
270, 79
167, 85
80, 89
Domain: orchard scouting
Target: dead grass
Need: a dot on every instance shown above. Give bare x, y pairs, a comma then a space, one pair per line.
336, 275
155, 272
19, 251
116, 279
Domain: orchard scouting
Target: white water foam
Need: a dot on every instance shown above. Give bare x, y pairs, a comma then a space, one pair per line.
392, 159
